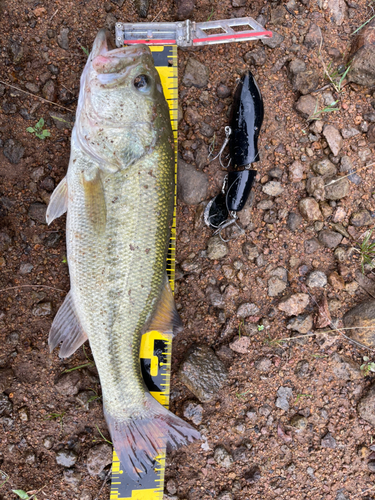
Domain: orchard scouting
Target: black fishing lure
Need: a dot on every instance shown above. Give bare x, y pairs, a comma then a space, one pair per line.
242, 136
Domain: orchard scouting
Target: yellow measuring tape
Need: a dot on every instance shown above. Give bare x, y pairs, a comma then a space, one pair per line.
156, 349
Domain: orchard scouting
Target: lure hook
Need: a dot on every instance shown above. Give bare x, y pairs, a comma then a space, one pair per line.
228, 132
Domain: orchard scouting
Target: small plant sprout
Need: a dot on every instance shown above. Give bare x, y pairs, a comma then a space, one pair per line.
57, 416
317, 113
368, 366
260, 328
299, 396
240, 326
25, 495
101, 435
337, 77
367, 251
38, 130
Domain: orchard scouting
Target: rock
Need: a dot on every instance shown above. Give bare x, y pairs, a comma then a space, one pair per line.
252, 475
222, 91
192, 185
344, 368
171, 486
29, 457
336, 188
24, 414
366, 406
16, 52
317, 279
26, 268
265, 204
245, 310
193, 411
99, 457
306, 105
37, 211
294, 221
310, 210
273, 42
72, 478
203, 373
324, 167
6, 406
313, 38
42, 309
296, 171
216, 248
48, 442
299, 422
295, 305
84, 398
13, 151
283, 396
241, 345
196, 74
329, 239
5, 241
6, 379
49, 91
206, 130
263, 364
361, 323
338, 11
273, 188
257, 57
297, 66
349, 132
222, 457
315, 188
66, 458
85, 495
275, 286
312, 245
63, 38
302, 368
336, 281
333, 138
302, 323
69, 384
328, 441
361, 218
250, 251
362, 57
305, 82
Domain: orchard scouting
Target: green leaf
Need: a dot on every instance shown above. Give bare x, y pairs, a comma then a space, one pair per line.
40, 136
22, 494
46, 133
59, 119
40, 123
30, 129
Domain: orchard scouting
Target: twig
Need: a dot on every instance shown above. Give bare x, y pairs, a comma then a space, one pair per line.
354, 171
53, 15
36, 96
102, 486
158, 14
66, 88
32, 286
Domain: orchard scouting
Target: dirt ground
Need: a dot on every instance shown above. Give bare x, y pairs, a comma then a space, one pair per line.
317, 446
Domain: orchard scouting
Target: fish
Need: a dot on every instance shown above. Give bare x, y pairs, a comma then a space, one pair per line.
118, 194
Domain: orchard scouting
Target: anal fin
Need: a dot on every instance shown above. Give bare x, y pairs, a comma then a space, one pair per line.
58, 202
166, 318
66, 328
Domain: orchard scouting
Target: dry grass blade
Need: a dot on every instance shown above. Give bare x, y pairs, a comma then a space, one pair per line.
36, 96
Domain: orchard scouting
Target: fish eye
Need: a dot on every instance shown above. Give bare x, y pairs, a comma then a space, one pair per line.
142, 83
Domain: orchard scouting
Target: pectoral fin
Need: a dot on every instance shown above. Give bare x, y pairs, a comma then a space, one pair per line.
166, 318
58, 202
95, 200
66, 328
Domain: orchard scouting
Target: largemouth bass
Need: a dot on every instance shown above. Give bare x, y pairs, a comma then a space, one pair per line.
118, 194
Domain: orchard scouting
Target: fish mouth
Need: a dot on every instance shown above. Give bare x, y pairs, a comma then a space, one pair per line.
107, 59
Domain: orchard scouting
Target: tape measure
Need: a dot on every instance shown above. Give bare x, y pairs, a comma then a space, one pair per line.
156, 348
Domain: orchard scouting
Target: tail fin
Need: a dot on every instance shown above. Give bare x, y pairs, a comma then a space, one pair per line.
138, 441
